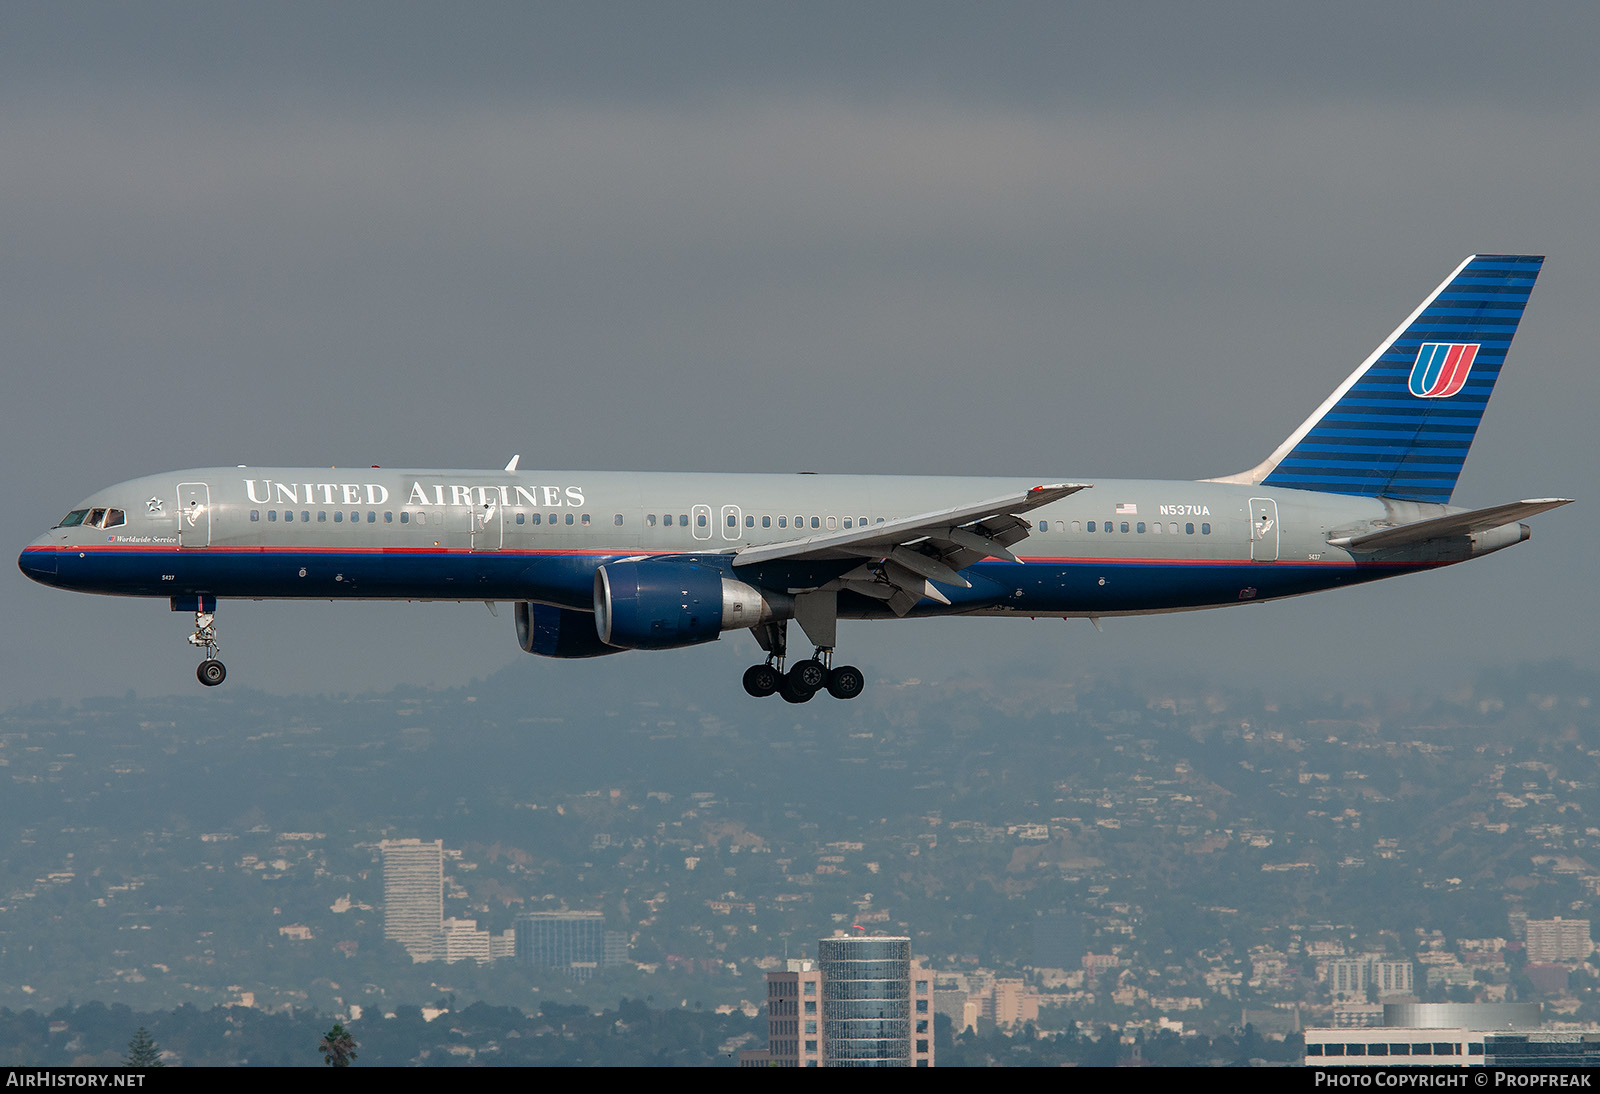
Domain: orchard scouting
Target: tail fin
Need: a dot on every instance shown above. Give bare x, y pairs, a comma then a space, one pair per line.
1401, 424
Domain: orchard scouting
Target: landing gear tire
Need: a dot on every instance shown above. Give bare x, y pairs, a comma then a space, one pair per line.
792, 692
846, 682
810, 675
761, 680
211, 672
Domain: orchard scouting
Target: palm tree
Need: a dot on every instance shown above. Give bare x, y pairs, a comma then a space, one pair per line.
338, 1048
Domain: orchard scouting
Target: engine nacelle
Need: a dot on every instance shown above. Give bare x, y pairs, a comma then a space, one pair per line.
558, 632
663, 604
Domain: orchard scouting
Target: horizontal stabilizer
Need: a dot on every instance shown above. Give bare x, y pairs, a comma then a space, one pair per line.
1454, 524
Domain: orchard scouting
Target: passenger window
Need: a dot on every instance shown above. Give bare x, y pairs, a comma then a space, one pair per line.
338, 516
650, 520
535, 518
522, 518
1205, 529
584, 519
1076, 528
322, 516
617, 520
783, 522
405, 517
766, 522
1044, 526
847, 522
569, 518
1173, 527
288, 516
749, 522
683, 520
1124, 527
372, 516
1139, 528
1188, 529
388, 517
816, 522
833, 523
667, 520
733, 521
1156, 528
1091, 526
272, 516
255, 514
700, 520
422, 518
305, 515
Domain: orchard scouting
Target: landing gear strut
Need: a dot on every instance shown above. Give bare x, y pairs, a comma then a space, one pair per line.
211, 671
804, 678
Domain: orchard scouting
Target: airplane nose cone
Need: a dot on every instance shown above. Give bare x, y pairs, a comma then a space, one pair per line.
38, 562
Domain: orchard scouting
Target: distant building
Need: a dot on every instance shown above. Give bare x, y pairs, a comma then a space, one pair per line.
1392, 977
862, 1003
413, 894
1351, 976
461, 940
1453, 1035
575, 942
1558, 941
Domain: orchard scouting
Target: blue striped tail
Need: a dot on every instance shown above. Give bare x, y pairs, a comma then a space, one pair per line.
1401, 425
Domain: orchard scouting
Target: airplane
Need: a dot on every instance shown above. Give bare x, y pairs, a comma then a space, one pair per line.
597, 563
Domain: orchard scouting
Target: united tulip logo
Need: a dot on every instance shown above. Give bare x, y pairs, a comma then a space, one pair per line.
1441, 369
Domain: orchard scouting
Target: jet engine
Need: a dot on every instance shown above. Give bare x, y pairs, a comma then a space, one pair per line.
664, 604
558, 632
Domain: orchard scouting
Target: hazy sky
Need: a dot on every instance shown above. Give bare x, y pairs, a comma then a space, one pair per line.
1059, 240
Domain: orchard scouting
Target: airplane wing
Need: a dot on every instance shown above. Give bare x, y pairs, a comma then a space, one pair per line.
1455, 524
902, 557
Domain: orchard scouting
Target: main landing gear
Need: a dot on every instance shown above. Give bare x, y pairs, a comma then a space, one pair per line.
804, 678
211, 671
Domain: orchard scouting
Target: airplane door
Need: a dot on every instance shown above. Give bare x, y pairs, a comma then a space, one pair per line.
701, 521
732, 519
488, 526
194, 514
1263, 530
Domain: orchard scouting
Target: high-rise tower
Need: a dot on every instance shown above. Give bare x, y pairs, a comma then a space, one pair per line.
413, 894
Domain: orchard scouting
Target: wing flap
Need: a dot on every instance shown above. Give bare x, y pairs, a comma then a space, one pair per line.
1453, 524
876, 540
902, 558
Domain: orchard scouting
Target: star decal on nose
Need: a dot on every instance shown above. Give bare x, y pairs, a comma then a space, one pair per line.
154, 504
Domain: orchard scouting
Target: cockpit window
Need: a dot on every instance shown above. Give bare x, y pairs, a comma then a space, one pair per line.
94, 518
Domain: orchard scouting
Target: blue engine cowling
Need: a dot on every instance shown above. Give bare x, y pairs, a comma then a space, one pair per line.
558, 632
665, 604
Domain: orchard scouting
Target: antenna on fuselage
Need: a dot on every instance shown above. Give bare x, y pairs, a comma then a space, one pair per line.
512, 466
